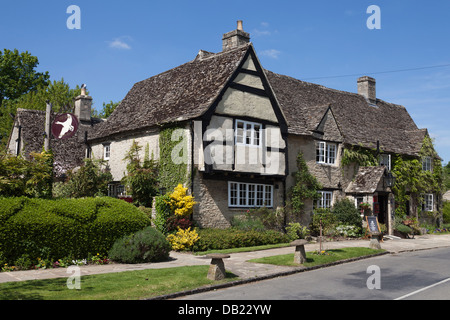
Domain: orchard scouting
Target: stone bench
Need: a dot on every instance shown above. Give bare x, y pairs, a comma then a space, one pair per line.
217, 268
300, 254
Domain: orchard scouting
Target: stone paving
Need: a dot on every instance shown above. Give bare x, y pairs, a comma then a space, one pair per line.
237, 263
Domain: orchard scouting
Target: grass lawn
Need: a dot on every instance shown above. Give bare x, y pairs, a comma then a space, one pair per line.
128, 285
313, 259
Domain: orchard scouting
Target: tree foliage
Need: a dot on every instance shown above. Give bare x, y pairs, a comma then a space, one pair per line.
22, 177
58, 93
89, 180
18, 74
141, 180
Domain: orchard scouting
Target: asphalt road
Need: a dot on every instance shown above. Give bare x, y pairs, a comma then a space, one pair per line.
423, 275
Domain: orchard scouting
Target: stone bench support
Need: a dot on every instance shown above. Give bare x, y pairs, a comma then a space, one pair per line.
300, 254
217, 268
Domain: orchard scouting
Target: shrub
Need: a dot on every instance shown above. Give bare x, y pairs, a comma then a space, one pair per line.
147, 245
64, 227
183, 239
295, 231
446, 212
329, 221
181, 204
347, 214
175, 222
163, 211
217, 239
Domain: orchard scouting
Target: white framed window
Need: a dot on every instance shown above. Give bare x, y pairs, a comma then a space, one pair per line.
106, 151
358, 201
426, 163
385, 159
326, 152
428, 202
242, 194
326, 199
248, 133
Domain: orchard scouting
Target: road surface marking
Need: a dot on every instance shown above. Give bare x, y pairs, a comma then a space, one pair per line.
423, 289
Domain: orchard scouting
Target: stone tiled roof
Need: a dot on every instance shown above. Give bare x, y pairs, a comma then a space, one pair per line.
184, 92
68, 153
360, 122
187, 91
366, 180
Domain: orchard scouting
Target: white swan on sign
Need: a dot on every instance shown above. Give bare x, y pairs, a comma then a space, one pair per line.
67, 126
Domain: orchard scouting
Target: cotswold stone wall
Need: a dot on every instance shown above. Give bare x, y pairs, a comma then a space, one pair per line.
212, 211
120, 146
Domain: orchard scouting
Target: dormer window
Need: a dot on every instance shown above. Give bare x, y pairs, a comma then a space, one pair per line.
248, 133
426, 163
326, 152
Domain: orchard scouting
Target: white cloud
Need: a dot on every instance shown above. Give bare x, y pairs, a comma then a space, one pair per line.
271, 53
119, 43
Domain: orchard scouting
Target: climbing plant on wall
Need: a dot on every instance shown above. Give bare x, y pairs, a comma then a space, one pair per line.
361, 156
173, 158
412, 181
305, 187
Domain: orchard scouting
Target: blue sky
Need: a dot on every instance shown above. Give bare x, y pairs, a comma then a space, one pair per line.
123, 42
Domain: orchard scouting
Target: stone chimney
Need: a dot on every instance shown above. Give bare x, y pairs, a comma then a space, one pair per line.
235, 38
83, 104
367, 88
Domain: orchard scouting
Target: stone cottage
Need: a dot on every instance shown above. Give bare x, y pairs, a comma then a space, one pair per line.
240, 127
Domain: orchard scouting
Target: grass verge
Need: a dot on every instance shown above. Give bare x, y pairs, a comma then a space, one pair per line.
313, 259
127, 285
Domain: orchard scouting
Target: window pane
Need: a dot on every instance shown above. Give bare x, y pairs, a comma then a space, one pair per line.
242, 194
248, 133
251, 195
239, 132
256, 134
268, 196
331, 153
233, 193
259, 195
320, 152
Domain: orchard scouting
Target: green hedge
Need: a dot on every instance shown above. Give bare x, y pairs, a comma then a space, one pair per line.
218, 239
65, 227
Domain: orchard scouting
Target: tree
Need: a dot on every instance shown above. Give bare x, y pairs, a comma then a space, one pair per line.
89, 180
141, 179
106, 111
18, 74
58, 93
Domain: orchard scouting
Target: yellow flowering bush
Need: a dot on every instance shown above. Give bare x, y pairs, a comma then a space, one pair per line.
181, 203
183, 239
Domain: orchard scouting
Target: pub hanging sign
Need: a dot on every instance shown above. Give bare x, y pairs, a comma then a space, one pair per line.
64, 126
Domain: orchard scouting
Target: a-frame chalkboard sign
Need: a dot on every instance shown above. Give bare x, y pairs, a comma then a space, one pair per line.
372, 225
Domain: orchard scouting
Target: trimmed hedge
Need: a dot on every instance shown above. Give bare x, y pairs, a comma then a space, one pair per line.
65, 227
218, 239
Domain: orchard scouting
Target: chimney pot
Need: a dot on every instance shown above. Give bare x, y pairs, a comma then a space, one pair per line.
239, 25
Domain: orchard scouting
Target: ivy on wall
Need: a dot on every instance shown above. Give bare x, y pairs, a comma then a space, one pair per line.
306, 186
173, 158
412, 181
359, 155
